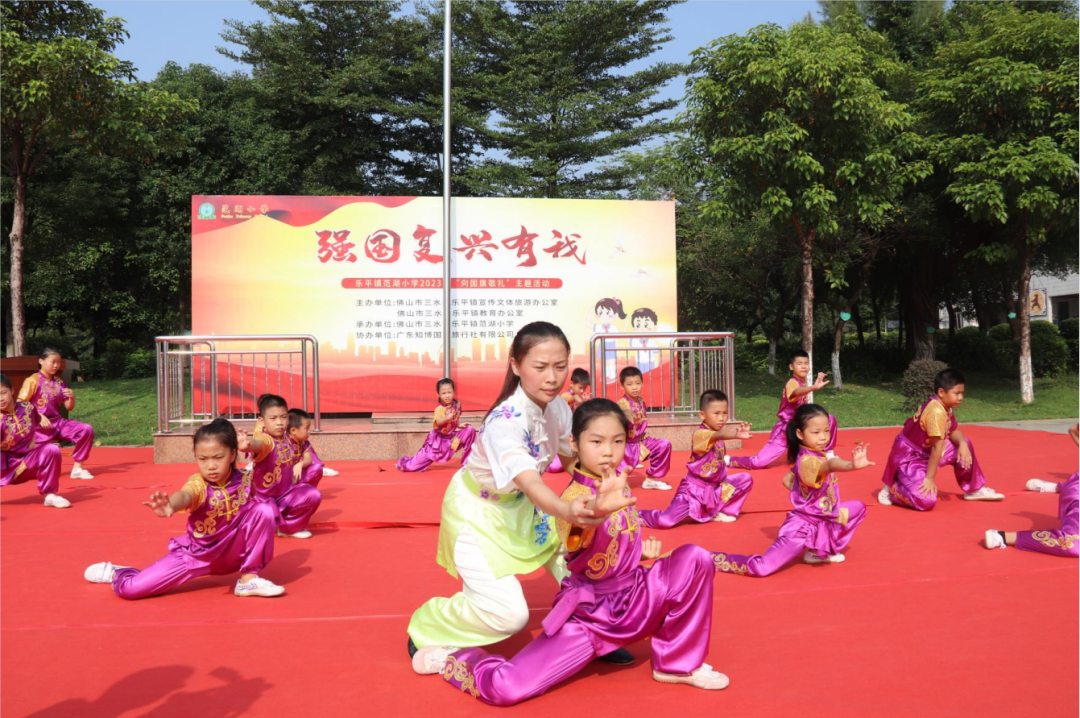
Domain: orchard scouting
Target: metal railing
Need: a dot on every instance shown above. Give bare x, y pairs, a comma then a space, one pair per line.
677, 367
200, 378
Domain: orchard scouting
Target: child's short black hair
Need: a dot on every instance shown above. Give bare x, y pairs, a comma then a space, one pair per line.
267, 402
629, 372
580, 376
802, 417
219, 430
798, 354
4, 381
297, 417
948, 378
441, 382
709, 396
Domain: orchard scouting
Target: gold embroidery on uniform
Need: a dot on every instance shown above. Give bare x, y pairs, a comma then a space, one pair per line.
827, 502
842, 517
601, 563
18, 427
895, 495
726, 491
223, 506
722, 564
1047, 538
22, 468
459, 671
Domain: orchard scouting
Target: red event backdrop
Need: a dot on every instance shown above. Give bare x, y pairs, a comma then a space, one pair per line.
364, 276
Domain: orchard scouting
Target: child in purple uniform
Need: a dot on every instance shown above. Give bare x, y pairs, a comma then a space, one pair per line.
821, 523
708, 492
447, 435
639, 445
48, 393
21, 458
609, 600
1063, 541
229, 528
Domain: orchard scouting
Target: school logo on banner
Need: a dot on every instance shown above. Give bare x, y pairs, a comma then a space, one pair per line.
206, 211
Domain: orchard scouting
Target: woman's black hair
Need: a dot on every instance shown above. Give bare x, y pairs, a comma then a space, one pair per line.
802, 417
613, 304
46, 351
4, 381
526, 338
445, 380
220, 430
594, 409
270, 401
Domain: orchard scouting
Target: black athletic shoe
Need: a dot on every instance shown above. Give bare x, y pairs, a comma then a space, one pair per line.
618, 657
412, 648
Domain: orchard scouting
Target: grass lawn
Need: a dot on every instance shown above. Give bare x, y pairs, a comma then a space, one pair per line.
124, 411
989, 397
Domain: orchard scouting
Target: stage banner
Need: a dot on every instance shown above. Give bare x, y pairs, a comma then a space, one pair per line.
364, 276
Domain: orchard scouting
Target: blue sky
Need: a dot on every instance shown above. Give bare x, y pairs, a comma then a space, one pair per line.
190, 32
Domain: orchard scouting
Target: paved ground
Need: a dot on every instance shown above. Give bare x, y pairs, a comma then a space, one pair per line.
1054, 425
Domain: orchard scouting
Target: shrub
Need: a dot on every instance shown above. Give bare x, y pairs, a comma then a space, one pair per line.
40, 340
1001, 332
1049, 353
1069, 328
918, 382
140, 362
971, 350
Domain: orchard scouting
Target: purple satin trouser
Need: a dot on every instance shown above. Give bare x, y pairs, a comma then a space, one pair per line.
775, 450
296, 507
248, 550
80, 434
1064, 541
659, 457
674, 607
313, 473
906, 470
42, 464
684, 502
798, 534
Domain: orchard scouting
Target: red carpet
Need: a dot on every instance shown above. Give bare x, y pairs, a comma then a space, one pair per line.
920, 621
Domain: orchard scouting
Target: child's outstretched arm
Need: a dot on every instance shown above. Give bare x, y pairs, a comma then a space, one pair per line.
858, 461
165, 506
737, 430
821, 383
577, 513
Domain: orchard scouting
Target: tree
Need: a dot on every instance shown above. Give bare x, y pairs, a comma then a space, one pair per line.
564, 100
795, 125
61, 87
1001, 96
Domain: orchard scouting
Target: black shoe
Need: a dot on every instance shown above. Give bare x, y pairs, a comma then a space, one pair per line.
412, 648
618, 657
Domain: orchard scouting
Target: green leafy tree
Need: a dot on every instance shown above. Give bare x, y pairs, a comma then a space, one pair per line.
1001, 96
795, 125
565, 104
62, 86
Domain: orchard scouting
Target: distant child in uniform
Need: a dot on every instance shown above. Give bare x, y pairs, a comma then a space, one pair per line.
640, 446
447, 435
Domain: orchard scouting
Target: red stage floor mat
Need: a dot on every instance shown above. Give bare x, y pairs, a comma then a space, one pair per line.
920, 620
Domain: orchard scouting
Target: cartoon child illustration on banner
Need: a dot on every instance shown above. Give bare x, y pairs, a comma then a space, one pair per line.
605, 311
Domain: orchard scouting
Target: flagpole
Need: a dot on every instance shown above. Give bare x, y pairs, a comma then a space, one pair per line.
446, 189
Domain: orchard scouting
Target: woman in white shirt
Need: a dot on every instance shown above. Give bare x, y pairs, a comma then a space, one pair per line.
498, 516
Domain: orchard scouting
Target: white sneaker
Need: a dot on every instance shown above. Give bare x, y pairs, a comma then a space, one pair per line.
813, 559
430, 660
640, 466
101, 572
984, 494
1042, 486
327, 471
305, 534
655, 484
993, 539
57, 501
81, 474
704, 678
258, 587
883, 496
725, 519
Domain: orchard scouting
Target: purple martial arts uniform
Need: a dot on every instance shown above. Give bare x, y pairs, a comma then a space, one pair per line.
273, 479
47, 396
229, 530
776, 447
641, 446
707, 489
312, 473
22, 460
609, 601
910, 457
442, 441
820, 521
1065, 541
